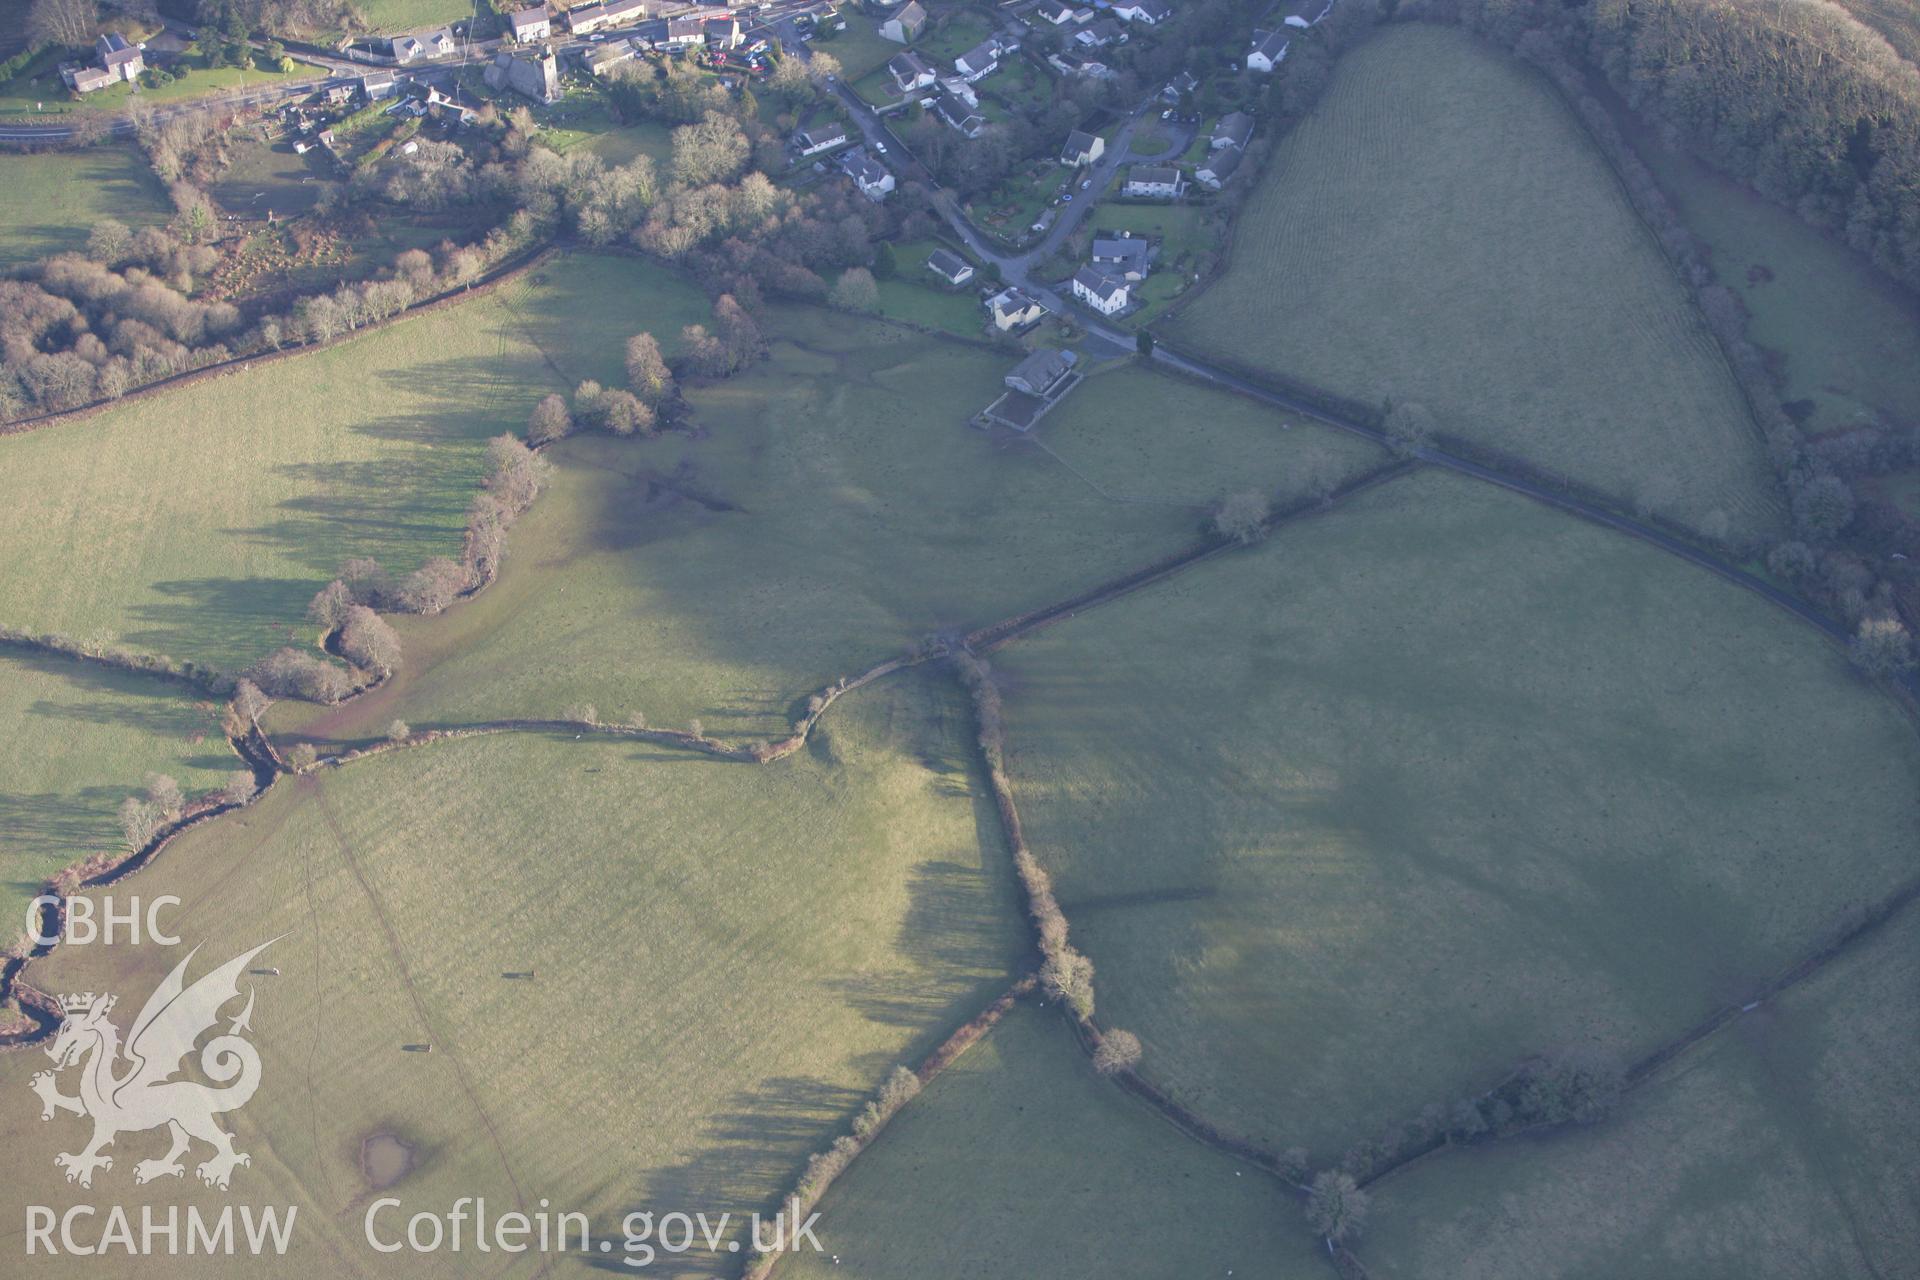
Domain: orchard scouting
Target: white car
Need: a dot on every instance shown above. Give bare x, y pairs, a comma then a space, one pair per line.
881, 147
1087, 185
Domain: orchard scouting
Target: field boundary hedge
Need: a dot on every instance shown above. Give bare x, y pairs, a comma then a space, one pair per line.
490, 281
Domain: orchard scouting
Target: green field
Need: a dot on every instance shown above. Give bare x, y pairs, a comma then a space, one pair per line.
266, 480
727, 960
836, 511
1019, 1161
397, 17
1846, 338
80, 740
49, 202
43, 93
1779, 1150
1441, 231
1354, 822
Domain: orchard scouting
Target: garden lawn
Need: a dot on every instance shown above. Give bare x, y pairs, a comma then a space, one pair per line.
396, 17
199, 522
49, 201
1442, 231
80, 740
1352, 823
836, 510
1780, 1149
1020, 1161
726, 960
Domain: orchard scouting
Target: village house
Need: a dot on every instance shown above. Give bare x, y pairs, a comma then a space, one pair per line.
530, 25
867, 173
378, 86
1105, 293
1073, 64
978, 62
1101, 33
1268, 51
1011, 309
1041, 373
1148, 13
417, 48
1218, 167
610, 13
1234, 130
1034, 386
909, 72
684, 33
950, 266
1082, 149
815, 136
723, 33
117, 61
906, 24
533, 75
449, 109
338, 95
1124, 256
1184, 83
601, 59
1056, 12
959, 113
1154, 182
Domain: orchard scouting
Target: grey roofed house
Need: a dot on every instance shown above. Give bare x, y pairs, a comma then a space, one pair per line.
531, 24
600, 59
909, 71
1152, 180
960, 117
905, 23
817, 134
1103, 31
978, 61
1233, 130
1100, 286
379, 84
949, 266
1081, 148
686, 30
115, 53
1055, 11
867, 173
1042, 371
1218, 167
87, 79
1125, 254
1269, 47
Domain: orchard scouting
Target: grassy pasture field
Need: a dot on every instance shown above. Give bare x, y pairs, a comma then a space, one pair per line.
1441, 231
836, 510
1020, 1161
1847, 338
397, 17
1356, 821
266, 480
49, 202
80, 740
1779, 1150
727, 960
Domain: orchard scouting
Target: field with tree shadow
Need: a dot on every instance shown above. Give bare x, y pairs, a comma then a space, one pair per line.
1441, 233
719, 962
1353, 823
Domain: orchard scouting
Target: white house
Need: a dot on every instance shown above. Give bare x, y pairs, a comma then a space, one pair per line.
1148, 13
1082, 149
815, 137
950, 266
1104, 293
1154, 182
1234, 129
1055, 12
377, 86
909, 71
1012, 309
905, 24
530, 25
867, 173
978, 62
608, 13
959, 112
1269, 49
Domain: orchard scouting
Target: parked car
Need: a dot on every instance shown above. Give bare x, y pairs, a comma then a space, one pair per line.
1087, 185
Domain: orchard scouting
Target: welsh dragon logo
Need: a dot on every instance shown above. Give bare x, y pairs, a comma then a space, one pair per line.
126, 1089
